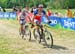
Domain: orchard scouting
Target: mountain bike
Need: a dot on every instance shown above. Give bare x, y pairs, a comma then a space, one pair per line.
43, 35
26, 32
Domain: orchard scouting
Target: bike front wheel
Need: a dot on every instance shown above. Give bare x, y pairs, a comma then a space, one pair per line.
27, 33
48, 39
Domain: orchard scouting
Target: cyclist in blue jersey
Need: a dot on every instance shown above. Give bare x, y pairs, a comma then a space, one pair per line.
38, 15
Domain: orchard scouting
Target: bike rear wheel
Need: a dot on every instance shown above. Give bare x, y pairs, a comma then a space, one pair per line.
36, 34
26, 33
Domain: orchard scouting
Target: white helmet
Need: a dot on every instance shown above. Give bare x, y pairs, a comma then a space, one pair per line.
41, 5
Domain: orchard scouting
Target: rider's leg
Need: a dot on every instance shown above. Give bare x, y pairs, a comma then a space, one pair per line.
21, 27
37, 26
41, 26
38, 30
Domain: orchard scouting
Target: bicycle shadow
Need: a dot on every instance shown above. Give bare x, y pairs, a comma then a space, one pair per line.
56, 47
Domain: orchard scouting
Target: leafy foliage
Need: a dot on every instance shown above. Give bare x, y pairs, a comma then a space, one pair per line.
55, 4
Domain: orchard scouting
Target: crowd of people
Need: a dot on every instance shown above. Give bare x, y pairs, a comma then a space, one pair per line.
69, 14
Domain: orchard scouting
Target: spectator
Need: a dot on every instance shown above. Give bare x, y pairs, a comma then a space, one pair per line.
4, 10
19, 11
0, 8
49, 12
56, 14
74, 14
69, 13
15, 9
33, 9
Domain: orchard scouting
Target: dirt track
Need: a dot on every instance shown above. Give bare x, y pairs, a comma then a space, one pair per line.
63, 43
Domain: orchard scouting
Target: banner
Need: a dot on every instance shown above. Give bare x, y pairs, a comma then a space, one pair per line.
63, 23
68, 23
7, 15
1, 15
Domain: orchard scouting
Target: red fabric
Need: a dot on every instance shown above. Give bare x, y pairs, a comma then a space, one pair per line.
49, 13
38, 18
29, 17
18, 15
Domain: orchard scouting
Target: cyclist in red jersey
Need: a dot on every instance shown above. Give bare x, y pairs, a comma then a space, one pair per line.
49, 12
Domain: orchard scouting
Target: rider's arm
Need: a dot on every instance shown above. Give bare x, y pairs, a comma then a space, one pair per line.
29, 18
19, 15
33, 19
46, 15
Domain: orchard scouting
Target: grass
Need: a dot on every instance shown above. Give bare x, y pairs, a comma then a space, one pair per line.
9, 41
